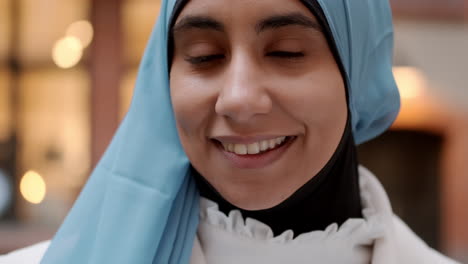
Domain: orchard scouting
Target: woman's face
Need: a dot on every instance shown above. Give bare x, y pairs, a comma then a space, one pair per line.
259, 100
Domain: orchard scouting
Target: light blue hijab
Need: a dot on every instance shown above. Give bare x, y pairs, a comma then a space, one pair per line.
140, 204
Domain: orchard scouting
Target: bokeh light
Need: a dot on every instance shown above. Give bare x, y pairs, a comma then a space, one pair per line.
33, 187
82, 30
67, 52
411, 82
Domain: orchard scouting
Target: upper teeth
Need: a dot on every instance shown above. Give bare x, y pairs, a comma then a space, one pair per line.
253, 148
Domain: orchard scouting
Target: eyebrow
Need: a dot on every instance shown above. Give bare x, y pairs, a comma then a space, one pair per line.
198, 22
290, 19
271, 22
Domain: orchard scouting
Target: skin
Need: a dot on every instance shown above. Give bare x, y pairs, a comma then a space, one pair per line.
237, 80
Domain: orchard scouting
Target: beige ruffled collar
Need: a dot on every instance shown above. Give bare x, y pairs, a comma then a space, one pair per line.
254, 241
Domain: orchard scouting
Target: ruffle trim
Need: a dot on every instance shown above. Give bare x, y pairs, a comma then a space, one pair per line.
362, 229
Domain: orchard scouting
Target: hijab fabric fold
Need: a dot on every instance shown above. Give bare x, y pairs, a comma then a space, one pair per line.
140, 205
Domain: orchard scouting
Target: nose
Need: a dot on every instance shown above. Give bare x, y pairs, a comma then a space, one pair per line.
243, 94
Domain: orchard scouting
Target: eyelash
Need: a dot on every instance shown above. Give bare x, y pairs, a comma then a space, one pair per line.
286, 54
210, 58
203, 59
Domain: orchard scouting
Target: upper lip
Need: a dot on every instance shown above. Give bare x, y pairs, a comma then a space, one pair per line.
244, 139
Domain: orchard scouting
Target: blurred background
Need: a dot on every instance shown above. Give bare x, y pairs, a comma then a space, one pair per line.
67, 70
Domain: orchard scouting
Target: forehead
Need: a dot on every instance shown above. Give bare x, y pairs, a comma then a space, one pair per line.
241, 12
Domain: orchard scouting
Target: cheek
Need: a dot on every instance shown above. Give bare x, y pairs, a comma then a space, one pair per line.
192, 109
318, 98
191, 103
318, 102
182, 108
326, 101
327, 113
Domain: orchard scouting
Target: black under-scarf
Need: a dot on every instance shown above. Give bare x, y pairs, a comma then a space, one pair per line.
331, 196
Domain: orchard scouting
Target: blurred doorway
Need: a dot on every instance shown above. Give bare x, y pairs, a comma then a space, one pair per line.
408, 165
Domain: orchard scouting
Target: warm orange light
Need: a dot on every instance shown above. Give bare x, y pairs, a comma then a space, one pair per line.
33, 187
6, 121
67, 52
82, 30
411, 82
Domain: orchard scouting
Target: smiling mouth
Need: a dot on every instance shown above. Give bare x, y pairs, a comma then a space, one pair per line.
255, 148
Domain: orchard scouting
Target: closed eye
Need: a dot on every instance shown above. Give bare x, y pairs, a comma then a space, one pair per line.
197, 60
285, 54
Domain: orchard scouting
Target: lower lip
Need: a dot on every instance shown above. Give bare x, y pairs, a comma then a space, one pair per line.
256, 161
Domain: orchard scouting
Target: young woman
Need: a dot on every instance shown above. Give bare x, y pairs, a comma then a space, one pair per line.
257, 107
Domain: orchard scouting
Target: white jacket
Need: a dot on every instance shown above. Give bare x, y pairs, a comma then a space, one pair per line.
398, 244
